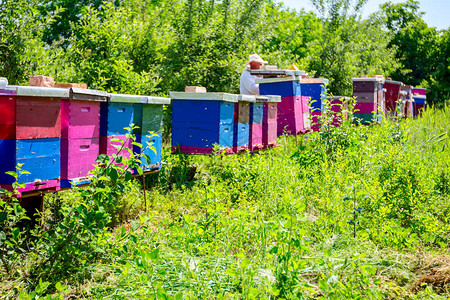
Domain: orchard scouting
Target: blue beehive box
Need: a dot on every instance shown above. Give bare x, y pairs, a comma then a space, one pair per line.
202, 120
315, 89
283, 86
40, 157
151, 146
115, 117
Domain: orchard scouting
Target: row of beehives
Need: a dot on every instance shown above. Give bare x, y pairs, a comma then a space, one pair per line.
287, 105
56, 134
377, 96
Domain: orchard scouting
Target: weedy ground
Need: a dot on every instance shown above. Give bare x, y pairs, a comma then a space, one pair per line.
354, 212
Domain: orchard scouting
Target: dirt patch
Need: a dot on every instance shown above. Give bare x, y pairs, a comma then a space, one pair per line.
435, 273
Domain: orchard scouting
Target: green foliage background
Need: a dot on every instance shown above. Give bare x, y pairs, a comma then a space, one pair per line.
155, 46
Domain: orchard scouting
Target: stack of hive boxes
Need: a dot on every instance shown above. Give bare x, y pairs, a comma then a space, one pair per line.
30, 134
289, 110
392, 96
419, 97
338, 109
241, 129
270, 122
314, 89
149, 118
407, 101
256, 122
80, 134
116, 115
368, 93
202, 120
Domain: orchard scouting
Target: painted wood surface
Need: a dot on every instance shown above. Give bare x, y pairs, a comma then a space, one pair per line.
269, 134
154, 140
115, 117
256, 112
78, 157
202, 134
38, 117
284, 89
7, 117
152, 118
80, 119
364, 86
241, 136
255, 136
40, 157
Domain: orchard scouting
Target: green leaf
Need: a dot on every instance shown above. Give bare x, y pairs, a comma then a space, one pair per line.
244, 263
154, 254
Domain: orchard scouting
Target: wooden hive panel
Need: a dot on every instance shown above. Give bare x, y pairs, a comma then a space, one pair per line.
155, 157
40, 157
7, 117
284, 89
78, 157
38, 117
80, 119
152, 118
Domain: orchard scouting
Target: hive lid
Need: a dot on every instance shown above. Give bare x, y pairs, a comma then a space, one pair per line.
278, 79
274, 98
3, 83
393, 82
124, 98
87, 94
369, 79
247, 98
314, 80
204, 96
259, 98
37, 91
419, 88
156, 100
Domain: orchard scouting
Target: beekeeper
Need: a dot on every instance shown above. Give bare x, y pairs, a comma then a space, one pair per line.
248, 84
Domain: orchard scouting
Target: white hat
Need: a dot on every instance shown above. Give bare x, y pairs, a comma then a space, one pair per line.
257, 58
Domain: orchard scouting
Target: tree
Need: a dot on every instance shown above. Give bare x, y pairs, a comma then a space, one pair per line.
21, 50
348, 46
414, 41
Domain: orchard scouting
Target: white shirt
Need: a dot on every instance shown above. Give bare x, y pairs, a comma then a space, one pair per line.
248, 84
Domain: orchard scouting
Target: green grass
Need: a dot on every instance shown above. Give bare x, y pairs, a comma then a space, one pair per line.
352, 213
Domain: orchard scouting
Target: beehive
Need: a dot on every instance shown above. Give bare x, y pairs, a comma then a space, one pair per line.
315, 90
31, 135
80, 134
202, 120
338, 109
151, 124
256, 122
392, 96
369, 105
241, 129
270, 121
289, 110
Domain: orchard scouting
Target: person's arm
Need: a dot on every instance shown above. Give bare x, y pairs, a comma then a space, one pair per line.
250, 84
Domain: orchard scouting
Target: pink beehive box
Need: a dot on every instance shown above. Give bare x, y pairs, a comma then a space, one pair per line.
270, 121
80, 133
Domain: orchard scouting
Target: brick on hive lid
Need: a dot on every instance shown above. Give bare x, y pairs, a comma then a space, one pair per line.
71, 85
364, 76
41, 80
195, 89
3, 82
